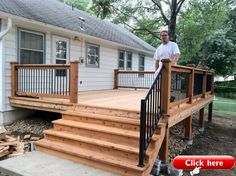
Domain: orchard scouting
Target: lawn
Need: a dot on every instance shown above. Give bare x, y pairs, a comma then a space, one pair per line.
224, 106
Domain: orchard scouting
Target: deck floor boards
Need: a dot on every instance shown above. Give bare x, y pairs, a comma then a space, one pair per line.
119, 98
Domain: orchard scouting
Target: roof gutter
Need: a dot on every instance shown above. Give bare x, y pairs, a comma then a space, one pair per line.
8, 29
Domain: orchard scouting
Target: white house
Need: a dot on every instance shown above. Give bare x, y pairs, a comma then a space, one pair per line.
50, 32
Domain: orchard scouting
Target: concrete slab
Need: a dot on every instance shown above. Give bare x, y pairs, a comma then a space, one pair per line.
37, 164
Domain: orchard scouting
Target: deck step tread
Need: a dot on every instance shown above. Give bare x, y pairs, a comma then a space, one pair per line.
97, 127
94, 141
111, 118
88, 154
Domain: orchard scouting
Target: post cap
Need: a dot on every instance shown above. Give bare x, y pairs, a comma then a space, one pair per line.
76, 61
166, 60
14, 62
191, 65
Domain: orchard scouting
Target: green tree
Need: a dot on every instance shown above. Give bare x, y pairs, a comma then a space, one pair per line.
231, 22
102, 8
169, 17
79, 4
196, 24
145, 17
219, 53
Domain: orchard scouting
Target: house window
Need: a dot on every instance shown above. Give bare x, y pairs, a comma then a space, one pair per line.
92, 51
121, 60
61, 56
129, 61
141, 62
31, 47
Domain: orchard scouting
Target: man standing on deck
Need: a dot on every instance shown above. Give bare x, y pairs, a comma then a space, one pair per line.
167, 50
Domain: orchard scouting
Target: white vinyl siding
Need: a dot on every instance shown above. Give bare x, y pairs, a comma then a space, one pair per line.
31, 47
102, 78
89, 78
1, 78
10, 54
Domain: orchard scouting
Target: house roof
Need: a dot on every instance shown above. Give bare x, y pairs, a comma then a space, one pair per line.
58, 14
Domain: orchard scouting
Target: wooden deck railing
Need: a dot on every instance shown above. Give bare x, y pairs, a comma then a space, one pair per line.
42, 80
133, 79
192, 83
174, 85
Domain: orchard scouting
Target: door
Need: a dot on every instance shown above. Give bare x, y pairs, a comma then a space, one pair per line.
60, 49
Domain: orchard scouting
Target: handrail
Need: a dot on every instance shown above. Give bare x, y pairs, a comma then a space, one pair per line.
43, 66
133, 79
150, 115
131, 72
45, 80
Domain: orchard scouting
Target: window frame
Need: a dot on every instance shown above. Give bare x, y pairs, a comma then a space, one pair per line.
127, 53
139, 63
94, 45
121, 51
19, 30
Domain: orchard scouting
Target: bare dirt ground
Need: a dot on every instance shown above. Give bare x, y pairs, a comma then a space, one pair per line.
219, 138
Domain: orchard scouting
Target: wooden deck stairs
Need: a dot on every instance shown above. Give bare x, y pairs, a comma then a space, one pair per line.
103, 138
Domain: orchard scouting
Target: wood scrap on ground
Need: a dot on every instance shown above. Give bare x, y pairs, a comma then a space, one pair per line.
13, 146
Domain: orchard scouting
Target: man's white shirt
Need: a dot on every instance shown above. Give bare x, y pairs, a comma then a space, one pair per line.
165, 51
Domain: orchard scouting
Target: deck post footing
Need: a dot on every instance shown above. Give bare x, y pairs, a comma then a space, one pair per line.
156, 167
201, 130
188, 141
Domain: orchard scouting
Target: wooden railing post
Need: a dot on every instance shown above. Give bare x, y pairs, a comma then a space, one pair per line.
201, 119
164, 150
74, 81
191, 83
204, 84
116, 79
188, 128
166, 86
14, 78
210, 112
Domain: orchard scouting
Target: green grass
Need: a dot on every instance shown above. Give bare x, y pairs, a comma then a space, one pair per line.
224, 106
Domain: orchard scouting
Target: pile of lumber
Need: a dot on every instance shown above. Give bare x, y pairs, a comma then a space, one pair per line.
14, 146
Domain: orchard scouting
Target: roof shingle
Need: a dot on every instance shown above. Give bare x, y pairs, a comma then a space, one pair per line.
58, 14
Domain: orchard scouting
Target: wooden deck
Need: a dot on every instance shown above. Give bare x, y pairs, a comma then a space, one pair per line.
107, 128
123, 99
127, 99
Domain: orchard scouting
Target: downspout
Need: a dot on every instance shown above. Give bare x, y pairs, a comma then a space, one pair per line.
2, 34
9, 27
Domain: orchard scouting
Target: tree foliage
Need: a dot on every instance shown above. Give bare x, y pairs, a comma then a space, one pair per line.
198, 26
219, 53
79, 4
204, 29
102, 8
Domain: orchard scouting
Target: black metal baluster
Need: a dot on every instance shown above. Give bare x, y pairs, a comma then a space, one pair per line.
142, 144
147, 118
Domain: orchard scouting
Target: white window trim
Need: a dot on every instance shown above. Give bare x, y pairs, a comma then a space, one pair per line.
19, 43
128, 52
86, 55
54, 39
125, 59
121, 51
139, 64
